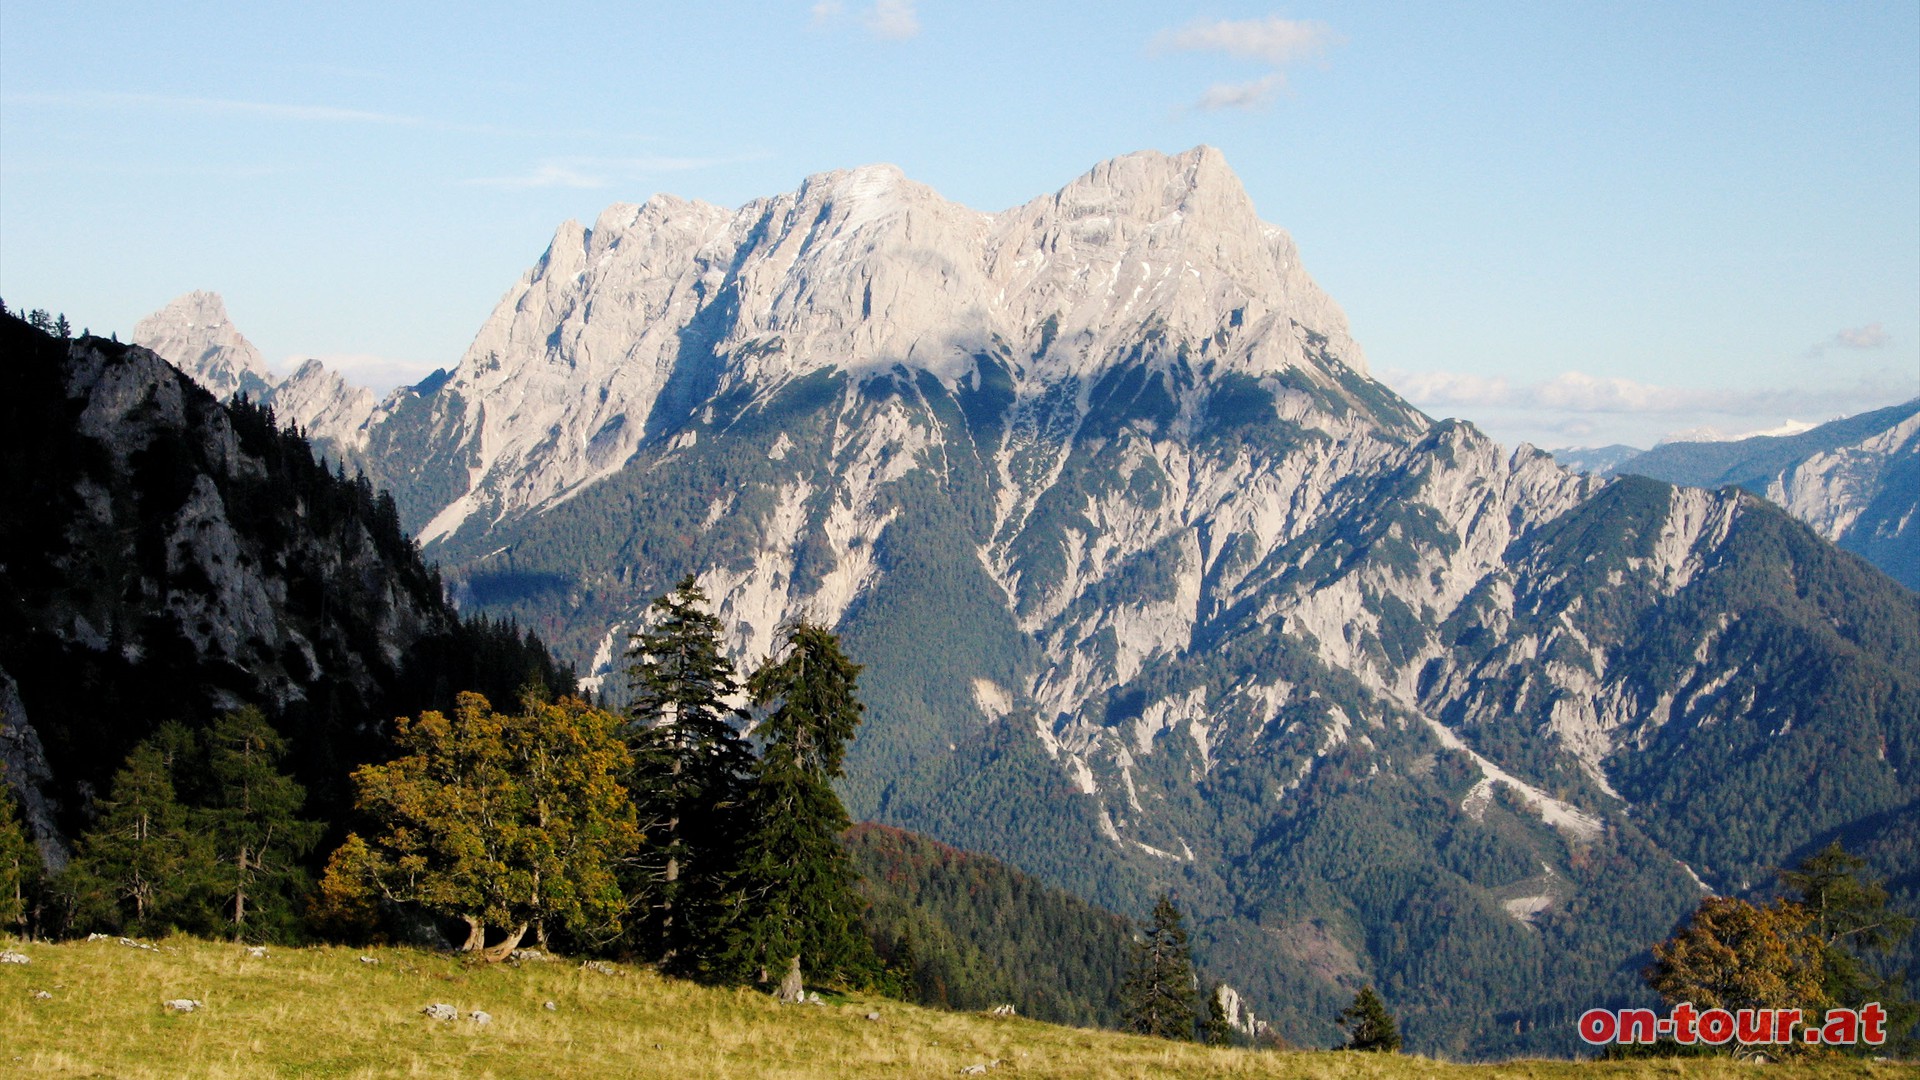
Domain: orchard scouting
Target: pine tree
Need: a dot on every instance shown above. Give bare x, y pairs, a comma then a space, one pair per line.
1850, 916
141, 865
1369, 1025
1215, 1030
793, 898
251, 820
690, 765
19, 864
903, 965
1158, 995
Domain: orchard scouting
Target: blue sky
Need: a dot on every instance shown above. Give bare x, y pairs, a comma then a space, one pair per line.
1572, 223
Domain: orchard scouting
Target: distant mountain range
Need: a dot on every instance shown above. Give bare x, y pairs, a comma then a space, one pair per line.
1158, 589
1855, 480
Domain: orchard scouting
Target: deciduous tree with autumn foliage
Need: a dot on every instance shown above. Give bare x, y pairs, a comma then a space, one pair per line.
514, 822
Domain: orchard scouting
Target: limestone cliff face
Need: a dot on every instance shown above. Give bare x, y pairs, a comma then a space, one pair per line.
193, 332
1856, 481
165, 558
623, 329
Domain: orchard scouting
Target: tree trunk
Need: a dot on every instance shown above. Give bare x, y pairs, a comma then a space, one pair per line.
792, 990
495, 954
240, 896
476, 934
666, 905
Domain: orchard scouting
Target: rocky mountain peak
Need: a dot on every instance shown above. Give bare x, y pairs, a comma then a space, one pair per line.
193, 332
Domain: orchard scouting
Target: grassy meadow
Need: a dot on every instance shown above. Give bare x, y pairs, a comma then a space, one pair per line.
324, 1012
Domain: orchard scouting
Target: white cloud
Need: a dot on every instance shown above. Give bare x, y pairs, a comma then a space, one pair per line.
599, 172
1273, 41
1578, 392
1574, 408
892, 20
888, 20
272, 110
1244, 95
378, 374
1870, 336
546, 176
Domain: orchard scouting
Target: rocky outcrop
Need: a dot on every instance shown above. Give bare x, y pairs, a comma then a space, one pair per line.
1856, 481
194, 333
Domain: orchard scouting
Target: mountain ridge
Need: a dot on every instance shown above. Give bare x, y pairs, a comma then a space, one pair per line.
1169, 593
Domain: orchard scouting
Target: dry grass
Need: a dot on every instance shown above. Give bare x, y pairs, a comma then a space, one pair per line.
322, 1013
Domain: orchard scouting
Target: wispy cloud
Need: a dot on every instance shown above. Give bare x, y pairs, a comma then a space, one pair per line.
227, 106
1243, 95
1578, 392
888, 20
1870, 336
599, 172
1273, 41
544, 176
1577, 408
892, 20
376, 373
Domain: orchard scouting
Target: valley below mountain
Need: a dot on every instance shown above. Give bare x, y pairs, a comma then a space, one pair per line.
1157, 589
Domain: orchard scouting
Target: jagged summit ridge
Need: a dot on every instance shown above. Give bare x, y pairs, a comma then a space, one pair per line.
193, 332
618, 330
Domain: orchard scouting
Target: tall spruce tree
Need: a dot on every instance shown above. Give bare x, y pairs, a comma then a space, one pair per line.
690, 768
1158, 995
141, 867
1216, 1030
1369, 1025
793, 905
252, 821
19, 864
1850, 916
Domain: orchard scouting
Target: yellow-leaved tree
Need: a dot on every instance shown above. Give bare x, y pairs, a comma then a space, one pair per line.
505, 821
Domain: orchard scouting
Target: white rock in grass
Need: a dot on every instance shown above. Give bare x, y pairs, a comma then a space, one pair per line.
11, 957
480, 1017
598, 967
369, 959
42, 995
258, 952
441, 1011
183, 1005
551, 1007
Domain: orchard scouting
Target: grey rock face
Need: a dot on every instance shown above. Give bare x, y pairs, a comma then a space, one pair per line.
1856, 481
193, 332
26, 772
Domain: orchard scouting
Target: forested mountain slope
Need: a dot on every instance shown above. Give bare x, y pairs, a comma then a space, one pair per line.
1855, 480
167, 558
1158, 589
